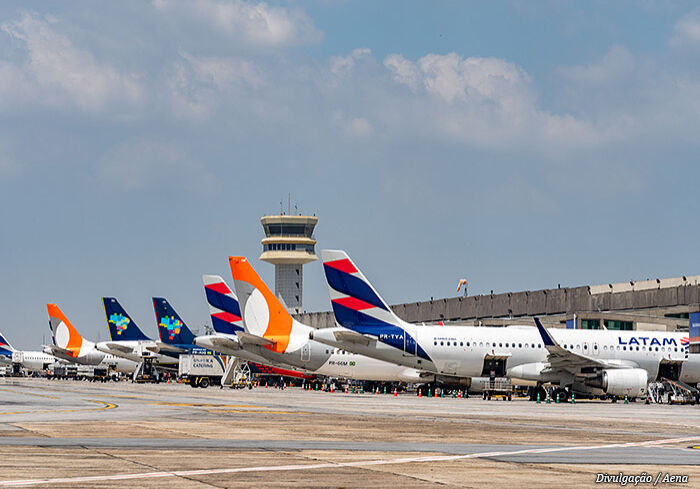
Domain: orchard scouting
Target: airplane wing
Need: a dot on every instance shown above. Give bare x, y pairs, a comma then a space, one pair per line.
119, 347
562, 359
253, 339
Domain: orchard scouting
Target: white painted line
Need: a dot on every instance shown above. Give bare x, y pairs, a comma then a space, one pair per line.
330, 465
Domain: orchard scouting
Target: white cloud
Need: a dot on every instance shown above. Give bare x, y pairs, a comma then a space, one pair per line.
57, 73
614, 66
686, 32
255, 23
452, 77
485, 102
198, 84
343, 64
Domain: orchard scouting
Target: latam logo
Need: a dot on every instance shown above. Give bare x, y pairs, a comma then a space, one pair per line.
171, 324
645, 340
120, 322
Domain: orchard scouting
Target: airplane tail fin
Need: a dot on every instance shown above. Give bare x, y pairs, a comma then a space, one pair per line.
223, 305
120, 324
64, 333
356, 304
6, 348
171, 328
263, 313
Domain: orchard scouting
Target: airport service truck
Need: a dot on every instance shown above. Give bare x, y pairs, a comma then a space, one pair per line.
201, 370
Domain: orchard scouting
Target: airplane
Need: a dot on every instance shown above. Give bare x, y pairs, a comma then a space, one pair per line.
127, 340
69, 345
174, 334
274, 334
34, 361
226, 319
598, 362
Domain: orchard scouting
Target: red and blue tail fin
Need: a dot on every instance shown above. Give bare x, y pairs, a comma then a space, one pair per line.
356, 304
5, 347
121, 326
224, 308
171, 328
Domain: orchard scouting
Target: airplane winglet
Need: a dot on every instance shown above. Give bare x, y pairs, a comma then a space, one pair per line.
546, 337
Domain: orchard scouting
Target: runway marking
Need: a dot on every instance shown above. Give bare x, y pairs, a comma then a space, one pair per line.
106, 405
256, 411
14, 391
205, 405
328, 465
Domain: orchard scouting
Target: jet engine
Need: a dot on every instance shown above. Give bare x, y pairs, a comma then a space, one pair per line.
620, 382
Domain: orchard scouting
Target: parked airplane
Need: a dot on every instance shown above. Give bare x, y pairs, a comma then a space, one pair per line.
127, 339
616, 363
272, 333
71, 346
227, 322
174, 334
35, 361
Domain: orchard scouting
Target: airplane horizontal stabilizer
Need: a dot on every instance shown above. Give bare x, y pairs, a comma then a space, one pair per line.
119, 347
351, 336
160, 346
253, 339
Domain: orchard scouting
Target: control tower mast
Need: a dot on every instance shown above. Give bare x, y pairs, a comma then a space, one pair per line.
288, 245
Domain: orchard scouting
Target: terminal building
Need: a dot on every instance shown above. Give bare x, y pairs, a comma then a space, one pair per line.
669, 304
289, 244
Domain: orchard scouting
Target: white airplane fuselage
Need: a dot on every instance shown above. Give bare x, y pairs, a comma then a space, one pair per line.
34, 361
460, 351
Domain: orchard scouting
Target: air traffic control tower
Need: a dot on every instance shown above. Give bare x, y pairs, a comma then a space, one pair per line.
288, 245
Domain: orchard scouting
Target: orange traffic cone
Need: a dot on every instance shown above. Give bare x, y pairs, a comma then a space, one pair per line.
265, 385
346, 389
420, 392
395, 393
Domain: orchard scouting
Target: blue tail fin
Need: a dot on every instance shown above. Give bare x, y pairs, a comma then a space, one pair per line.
120, 324
171, 328
5, 347
223, 305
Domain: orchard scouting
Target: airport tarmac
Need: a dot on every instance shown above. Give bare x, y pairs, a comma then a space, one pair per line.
78, 434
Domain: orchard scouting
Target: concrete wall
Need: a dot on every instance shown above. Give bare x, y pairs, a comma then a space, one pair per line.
530, 303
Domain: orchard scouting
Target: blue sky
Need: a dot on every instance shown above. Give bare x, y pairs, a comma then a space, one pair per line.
518, 144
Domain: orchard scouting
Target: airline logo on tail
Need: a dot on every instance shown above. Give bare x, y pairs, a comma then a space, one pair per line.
358, 306
264, 315
120, 322
171, 324
223, 305
5, 347
171, 328
354, 300
65, 336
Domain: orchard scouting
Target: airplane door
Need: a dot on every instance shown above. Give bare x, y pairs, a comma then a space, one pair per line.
409, 345
596, 349
306, 352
